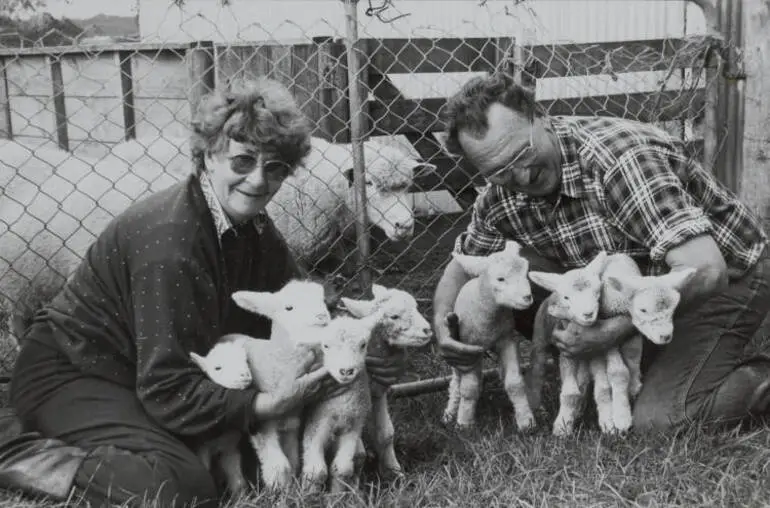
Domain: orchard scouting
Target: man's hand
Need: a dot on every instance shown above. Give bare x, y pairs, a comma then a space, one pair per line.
386, 370
584, 341
461, 356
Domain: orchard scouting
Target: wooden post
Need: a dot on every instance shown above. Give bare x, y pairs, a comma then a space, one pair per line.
334, 114
201, 71
60, 110
711, 120
127, 93
755, 188
6, 130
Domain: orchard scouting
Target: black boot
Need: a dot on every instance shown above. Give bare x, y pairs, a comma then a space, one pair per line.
33, 464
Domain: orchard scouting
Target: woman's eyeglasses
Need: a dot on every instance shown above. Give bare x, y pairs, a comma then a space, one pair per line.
244, 164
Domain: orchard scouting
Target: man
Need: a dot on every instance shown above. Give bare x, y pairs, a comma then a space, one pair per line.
103, 386
568, 187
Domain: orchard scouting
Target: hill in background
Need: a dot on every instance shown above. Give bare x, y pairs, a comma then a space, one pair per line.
45, 30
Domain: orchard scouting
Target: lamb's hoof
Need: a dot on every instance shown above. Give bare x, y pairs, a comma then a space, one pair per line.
561, 429
392, 475
448, 419
526, 424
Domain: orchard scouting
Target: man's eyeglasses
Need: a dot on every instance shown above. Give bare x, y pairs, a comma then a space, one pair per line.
274, 169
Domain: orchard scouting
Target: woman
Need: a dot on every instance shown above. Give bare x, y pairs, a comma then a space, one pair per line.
103, 386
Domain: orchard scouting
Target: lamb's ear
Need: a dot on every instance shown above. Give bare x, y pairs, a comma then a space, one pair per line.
512, 247
359, 308
548, 280
678, 279
421, 169
473, 265
255, 301
624, 283
598, 262
380, 292
198, 360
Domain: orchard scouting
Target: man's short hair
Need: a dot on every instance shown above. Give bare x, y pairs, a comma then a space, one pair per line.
260, 111
467, 109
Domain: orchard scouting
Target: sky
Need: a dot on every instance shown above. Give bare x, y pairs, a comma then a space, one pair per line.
87, 8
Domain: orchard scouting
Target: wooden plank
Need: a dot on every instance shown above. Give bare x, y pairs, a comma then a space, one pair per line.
5, 104
32, 116
29, 77
334, 114
95, 118
60, 110
91, 75
422, 115
127, 94
563, 60
95, 48
200, 73
305, 70
642, 106
399, 56
167, 118
159, 75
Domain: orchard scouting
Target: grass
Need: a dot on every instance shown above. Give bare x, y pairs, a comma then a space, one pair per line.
494, 465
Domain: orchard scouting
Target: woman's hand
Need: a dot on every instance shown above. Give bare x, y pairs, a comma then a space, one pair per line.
386, 369
314, 385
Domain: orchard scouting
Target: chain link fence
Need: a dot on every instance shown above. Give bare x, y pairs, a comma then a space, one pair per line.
89, 129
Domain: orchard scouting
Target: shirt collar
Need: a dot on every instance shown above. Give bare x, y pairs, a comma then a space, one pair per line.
222, 222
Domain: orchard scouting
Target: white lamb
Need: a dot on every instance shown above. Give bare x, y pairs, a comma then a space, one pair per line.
604, 288
401, 326
226, 364
483, 307
314, 209
300, 309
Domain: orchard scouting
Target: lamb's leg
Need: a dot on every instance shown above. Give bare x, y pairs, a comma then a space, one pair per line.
315, 439
343, 467
631, 350
204, 452
230, 460
470, 391
618, 376
453, 402
381, 434
570, 396
508, 356
276, 468
290, 438
602, 393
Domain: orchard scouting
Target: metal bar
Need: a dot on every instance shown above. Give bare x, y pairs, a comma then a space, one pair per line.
435, 384
352, 46
730, 163
59, 103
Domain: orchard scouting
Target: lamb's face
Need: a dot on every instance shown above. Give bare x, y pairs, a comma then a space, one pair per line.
344, 344
506, 274
226, 364
652, 312
402, 323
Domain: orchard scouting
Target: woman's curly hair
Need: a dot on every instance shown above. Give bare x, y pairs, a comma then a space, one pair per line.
467, 109
261, 111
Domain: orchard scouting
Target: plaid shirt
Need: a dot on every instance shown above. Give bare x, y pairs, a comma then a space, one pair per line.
626, 187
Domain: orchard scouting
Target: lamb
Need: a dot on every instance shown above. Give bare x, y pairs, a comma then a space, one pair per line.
402, 326
483, 307
604, 288
315, 208
301, 311
226, 364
